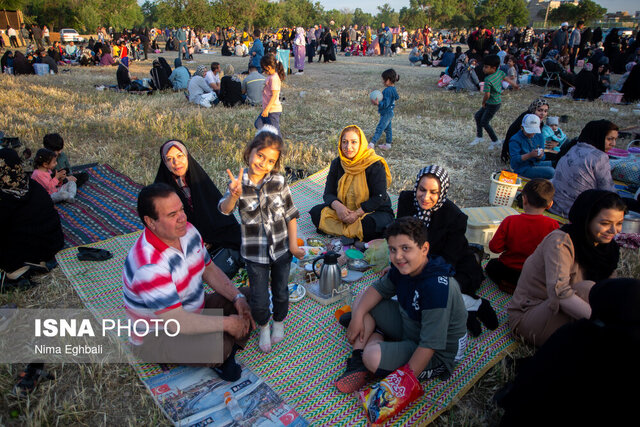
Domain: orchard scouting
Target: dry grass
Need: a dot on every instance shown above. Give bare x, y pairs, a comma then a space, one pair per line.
430, 126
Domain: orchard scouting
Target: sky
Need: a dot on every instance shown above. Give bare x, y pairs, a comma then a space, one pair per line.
371, 6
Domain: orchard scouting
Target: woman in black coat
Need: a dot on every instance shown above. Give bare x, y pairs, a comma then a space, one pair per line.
447, 226
31, 230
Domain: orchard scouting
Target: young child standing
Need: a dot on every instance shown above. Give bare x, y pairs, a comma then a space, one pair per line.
519, 235
269, 230
385, 109
271, 106
44, 163
425, 327
492, 99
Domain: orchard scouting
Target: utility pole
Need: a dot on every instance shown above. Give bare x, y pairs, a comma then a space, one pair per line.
546, 15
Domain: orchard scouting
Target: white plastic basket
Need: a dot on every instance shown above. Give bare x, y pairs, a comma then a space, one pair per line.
501, 193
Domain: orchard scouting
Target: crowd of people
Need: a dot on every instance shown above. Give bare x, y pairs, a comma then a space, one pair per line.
420, 312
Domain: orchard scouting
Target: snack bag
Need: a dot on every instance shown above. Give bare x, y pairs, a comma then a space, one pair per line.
377, 254
508, 177
391, 395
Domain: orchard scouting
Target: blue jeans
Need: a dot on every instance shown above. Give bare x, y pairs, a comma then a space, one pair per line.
272, 119
542, 169
483, 116
384, 125
259, 284
186, 49
415, 59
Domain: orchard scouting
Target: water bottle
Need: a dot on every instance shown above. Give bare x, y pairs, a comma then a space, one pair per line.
233, 406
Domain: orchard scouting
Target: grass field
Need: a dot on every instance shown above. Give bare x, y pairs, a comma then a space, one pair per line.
431, 126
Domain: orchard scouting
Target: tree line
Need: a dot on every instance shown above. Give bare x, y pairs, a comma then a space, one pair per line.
87, 15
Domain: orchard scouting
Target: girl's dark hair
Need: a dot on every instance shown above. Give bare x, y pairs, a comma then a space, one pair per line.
53, 142
43, 156
390, 75
269, 60
262, 140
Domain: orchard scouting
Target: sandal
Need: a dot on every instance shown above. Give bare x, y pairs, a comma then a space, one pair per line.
93, 254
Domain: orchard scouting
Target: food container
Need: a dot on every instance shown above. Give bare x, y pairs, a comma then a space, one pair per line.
357, 264
483, 223
631, 224
312, 241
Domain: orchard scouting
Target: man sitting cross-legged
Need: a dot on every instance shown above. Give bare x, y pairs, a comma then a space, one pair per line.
425, 327
163, 279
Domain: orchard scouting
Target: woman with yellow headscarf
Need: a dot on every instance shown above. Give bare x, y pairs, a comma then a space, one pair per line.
356, 203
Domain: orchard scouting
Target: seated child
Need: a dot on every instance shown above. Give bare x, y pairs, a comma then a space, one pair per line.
519, 235
55, 143
552, 134
427, 325
526, 148
44, 163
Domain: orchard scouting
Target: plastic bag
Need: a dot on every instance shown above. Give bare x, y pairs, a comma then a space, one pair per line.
444, 80
377, 255
391, 395
508, 177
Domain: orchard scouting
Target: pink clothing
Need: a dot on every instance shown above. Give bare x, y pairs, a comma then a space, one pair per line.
44, 178
271, 84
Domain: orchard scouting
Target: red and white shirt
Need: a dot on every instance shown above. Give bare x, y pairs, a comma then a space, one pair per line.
158, 278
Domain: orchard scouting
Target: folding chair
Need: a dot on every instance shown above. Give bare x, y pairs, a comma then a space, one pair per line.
550, 76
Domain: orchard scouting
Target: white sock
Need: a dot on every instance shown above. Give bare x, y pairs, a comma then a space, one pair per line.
278, 332
265, 338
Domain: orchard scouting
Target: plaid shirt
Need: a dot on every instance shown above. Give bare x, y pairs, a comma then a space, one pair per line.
265, 211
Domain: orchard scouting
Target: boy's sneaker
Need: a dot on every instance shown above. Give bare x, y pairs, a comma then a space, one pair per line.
354, 376
385, 146
495, 144
476, 141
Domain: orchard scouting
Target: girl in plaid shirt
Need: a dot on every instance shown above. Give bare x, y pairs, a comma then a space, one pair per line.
269, 230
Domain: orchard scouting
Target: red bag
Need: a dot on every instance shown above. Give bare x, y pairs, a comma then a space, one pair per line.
391, 395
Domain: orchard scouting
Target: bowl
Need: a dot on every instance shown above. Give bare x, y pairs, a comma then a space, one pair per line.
296, 292
357, 264
353, 254
312, 241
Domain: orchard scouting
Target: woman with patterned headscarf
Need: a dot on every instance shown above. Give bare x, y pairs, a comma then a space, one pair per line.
539, 107
199, 90
31, 231
446, 225
356, 203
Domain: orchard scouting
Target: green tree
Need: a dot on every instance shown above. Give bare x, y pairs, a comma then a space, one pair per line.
589, 10
565, 12
388, 15
150, 13
410, 17
362, 18
494, 13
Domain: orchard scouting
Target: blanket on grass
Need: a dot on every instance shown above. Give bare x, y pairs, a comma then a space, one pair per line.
301, 369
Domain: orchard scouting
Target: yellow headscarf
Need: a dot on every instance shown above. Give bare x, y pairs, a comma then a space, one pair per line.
352, 187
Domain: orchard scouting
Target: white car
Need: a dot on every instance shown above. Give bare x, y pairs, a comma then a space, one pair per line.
70, 35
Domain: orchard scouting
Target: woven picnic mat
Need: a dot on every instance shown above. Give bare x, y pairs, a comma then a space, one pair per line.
303, 368
105, 207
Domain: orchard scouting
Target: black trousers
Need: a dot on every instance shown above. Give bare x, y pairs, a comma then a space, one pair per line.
505, 277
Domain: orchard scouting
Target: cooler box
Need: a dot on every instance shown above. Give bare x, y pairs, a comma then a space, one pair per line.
483, 223
41, 69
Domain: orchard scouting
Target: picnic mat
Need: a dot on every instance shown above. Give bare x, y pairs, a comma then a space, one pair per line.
303, 368
105, 207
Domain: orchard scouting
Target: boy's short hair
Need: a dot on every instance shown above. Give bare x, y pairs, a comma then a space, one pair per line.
409, 226
539, 192
53, 142
492, 61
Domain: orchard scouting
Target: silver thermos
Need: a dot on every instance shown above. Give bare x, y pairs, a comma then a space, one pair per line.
329, 276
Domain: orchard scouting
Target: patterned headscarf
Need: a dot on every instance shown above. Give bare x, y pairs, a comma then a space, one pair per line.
536, 104
443, 178
201, 70
14, 182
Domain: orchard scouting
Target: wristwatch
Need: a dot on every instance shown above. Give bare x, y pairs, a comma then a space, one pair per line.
238, 296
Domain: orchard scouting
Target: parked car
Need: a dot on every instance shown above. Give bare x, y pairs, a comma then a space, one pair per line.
70, 35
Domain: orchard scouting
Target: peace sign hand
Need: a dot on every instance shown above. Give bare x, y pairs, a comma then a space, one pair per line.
235, 186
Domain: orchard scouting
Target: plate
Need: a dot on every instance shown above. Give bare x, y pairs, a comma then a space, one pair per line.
353, 276
312, 251
296, 292
354, 253
312, 241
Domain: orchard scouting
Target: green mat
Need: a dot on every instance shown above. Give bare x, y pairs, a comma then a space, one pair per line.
303, 368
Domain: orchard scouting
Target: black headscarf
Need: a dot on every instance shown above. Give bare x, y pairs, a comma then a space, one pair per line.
165, 65
21, 65
631, 87
201, 205
5, 60
597, 261
594, 133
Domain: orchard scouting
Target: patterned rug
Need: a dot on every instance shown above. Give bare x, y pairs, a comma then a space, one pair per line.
303, 368
105, 207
